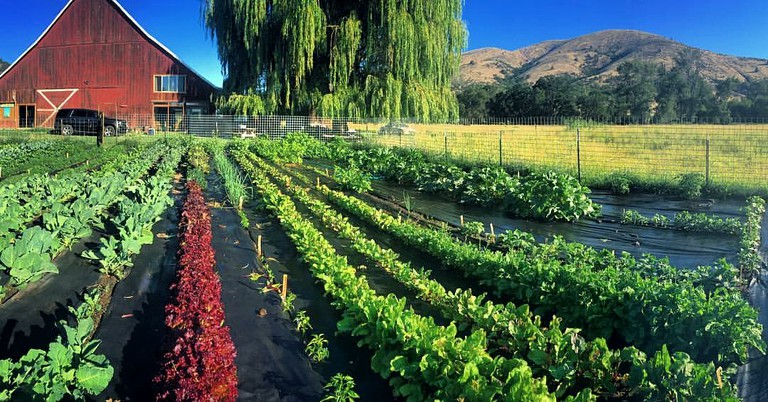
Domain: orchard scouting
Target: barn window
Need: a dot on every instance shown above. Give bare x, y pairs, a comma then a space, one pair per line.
171, 83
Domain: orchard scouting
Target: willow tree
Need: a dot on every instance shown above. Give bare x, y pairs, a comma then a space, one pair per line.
354, 58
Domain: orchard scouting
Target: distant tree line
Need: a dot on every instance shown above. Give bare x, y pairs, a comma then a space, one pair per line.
3, 65
642, 92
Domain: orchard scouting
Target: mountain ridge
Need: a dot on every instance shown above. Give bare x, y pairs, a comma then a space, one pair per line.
597, 55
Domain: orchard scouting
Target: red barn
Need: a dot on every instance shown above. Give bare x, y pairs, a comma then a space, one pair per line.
94, 55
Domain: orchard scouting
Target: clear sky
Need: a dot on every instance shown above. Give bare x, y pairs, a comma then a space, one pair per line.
737, 27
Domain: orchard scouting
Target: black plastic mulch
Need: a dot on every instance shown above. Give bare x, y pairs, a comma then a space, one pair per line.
684, 249
133, 328
29, 318
271, 363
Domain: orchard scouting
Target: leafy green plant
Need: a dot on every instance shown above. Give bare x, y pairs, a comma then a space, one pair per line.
70, 368
317, 349
29, 258
352, 178
690, 185
197, 175
517, 240
619, 183
302, 321
552, 196
290, 297
684, 220
407, 202
750, 262
90, 306
198, 157
341, 388
472, 229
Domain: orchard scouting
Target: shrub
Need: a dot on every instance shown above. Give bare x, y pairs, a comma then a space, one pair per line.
690, 185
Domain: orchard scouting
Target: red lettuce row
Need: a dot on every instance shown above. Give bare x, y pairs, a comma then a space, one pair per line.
198, 364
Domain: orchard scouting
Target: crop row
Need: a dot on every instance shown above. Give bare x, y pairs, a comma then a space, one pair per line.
721, 275
28, 252
749, 257
138, 211
198, 364
75, 157
567, 360
605, 302
28, 198
545, 196
421, 359
14, 155
692, 222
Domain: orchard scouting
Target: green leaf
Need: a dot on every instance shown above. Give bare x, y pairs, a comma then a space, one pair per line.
94, 379
398, 364
470, 370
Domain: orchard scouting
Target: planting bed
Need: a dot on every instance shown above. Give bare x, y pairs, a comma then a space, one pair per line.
394, 290
684, 249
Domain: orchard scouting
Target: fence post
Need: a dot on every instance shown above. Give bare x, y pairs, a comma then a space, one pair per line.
501, 149
445, 141
707, 160
578, 153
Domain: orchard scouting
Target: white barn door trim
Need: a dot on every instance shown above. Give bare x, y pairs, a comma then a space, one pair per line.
56, 108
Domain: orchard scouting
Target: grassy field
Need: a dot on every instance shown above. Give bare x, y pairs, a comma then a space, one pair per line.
655, 155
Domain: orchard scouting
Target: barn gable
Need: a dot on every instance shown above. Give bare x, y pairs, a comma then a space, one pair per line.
95, 55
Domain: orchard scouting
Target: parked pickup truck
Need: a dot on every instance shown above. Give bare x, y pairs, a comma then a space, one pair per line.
87, 121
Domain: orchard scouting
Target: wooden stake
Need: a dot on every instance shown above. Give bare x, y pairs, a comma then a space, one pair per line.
326, 172
285, 286
719, 373
258, 246
492, 233
462, 220
240, 203
318, 181
399, 219
87, 162
67, 155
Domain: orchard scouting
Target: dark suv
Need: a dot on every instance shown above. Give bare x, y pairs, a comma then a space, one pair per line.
87, 121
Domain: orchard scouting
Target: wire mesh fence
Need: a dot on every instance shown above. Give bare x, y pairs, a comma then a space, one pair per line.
727, 154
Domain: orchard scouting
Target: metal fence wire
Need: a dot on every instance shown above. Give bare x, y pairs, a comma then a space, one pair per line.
731, 154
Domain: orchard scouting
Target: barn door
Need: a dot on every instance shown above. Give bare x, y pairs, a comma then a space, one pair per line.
49, 101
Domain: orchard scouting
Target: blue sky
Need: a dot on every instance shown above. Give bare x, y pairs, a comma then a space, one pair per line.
737, 27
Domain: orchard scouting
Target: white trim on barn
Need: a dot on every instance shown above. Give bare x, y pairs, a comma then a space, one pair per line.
55, 109
131, 19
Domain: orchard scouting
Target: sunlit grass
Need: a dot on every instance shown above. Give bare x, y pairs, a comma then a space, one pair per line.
654, 155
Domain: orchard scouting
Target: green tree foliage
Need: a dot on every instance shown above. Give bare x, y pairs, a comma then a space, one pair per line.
3, 65
636, 90
641, 92
382, 58
474, 99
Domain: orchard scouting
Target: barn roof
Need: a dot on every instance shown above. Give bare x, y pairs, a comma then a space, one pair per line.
130, 19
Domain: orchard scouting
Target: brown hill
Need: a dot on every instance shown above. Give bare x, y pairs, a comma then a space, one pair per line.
596, 56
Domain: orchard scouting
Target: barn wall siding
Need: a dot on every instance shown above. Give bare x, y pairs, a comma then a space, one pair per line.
95, 50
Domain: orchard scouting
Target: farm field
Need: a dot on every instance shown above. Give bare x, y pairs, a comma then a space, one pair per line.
653, 156
193, 269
